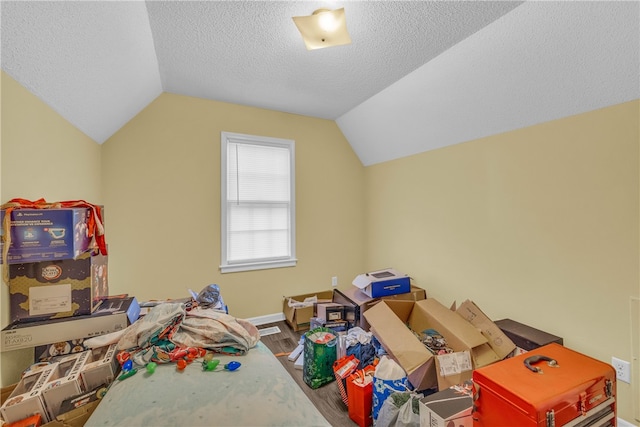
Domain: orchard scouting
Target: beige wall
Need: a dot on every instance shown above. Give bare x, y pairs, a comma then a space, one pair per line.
42, 156
539, 225
161, 187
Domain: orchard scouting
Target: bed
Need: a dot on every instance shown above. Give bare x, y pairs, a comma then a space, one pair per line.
259, 393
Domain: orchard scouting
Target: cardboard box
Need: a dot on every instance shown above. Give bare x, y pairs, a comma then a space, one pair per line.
298, 316
5, 392
75, 411
58, 288
81, 400
32, 334
26, 399
47, 234
389, 320
74, 418
65, 382
526, 338
99, 276
109, 305
453, 368
356, 302
449, 407
329, 311
383, 282
499, 342
335, 325
102, 368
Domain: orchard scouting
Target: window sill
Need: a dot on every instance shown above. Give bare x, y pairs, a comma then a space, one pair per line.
257, 266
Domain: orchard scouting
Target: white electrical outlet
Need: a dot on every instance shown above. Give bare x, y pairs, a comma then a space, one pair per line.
334, 281
623, 369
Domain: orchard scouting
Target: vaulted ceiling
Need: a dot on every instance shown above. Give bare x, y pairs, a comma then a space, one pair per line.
418, 75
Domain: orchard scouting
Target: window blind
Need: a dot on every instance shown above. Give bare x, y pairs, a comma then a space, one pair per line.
259, 202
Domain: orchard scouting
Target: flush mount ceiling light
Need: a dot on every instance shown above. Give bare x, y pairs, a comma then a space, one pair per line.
323, 28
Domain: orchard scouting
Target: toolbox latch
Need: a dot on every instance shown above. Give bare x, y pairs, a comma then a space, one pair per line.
582, 403
608, 388
551, 418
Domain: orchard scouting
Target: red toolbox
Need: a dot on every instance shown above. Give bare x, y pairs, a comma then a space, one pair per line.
551, 386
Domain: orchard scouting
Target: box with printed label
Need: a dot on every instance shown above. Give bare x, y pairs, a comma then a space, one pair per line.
50, 352
65, 382
26, 399
330, 311
75, 411
448, 407
102, 368
428, 318
383, 282
59, 288
47, 234
109, 317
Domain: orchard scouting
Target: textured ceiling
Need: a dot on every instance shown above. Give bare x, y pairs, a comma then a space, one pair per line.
543, 61
252, 53
91, 61
418, 75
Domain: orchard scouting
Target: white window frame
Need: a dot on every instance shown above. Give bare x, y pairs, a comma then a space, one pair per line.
247, 265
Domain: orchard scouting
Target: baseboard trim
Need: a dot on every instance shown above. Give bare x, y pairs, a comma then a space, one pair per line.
623, 423
267, 318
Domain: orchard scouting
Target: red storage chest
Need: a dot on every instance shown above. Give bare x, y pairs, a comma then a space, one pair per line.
551, 386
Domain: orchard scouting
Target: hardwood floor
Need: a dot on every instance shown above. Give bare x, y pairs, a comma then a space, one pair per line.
327, 397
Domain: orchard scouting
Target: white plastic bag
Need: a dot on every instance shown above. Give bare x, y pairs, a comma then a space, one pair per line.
388, 369
388, 414
400, 409
409, 412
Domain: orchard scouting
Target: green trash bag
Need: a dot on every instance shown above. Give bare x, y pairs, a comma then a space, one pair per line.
320, 353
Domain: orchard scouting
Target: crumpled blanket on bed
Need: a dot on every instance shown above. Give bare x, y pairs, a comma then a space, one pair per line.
169, 326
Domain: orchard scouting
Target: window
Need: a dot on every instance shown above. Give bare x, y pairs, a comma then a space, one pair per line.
257, 203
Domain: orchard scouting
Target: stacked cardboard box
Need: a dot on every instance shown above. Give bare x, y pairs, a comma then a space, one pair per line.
53, 392
57, 333
65, 382
26, 398
54, 268
59, 288
101, 369
47, 234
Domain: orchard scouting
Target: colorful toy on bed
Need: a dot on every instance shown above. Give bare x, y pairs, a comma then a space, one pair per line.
211, 365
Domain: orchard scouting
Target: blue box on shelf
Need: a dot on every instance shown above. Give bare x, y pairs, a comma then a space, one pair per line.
382, 283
